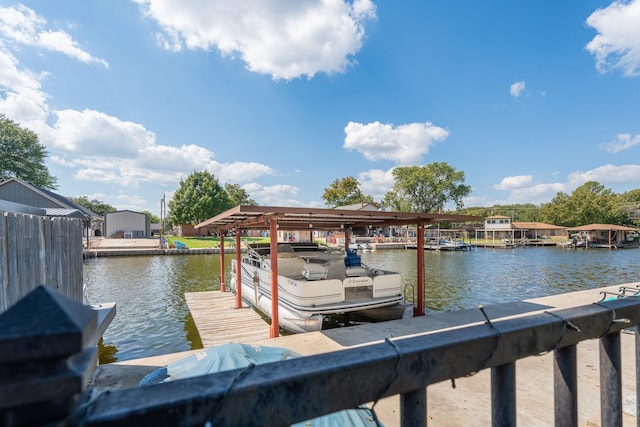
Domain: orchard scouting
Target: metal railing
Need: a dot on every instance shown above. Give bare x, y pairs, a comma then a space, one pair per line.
287, 392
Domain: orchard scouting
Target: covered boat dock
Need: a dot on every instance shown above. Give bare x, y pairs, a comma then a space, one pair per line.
293, 218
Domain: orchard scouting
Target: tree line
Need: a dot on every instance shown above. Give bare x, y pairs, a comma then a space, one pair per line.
428, 188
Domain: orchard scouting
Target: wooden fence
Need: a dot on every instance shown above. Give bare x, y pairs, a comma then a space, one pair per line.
37, 250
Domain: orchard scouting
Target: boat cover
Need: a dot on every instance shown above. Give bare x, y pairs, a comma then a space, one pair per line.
234, 356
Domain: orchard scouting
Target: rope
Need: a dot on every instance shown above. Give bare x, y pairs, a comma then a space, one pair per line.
614, 317
565, 323
229, 387
396, 372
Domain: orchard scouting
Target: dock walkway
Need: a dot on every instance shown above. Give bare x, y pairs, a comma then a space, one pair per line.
219, 322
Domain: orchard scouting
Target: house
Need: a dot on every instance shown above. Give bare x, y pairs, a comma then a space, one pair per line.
18, 191
497, 227
126, 224
539, 230
501, 227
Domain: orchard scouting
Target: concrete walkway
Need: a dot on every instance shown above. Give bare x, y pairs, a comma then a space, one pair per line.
469, 403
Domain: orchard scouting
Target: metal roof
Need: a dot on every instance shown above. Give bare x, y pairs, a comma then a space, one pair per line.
602, 227
290, 218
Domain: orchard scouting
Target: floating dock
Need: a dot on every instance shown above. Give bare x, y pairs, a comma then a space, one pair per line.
219, 321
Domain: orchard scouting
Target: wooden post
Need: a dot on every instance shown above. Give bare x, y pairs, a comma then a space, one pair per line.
418, 310
238, 271
222, 284
274, 331
46, 357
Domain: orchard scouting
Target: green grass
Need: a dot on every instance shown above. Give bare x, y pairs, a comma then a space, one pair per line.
211, 242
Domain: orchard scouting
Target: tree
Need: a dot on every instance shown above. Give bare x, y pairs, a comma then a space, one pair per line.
154, 219
588, 204
198, 198
95, 206
22, 156
426, 188
238, 195
345, 191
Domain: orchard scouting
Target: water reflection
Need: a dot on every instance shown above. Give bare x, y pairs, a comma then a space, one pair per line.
152, 316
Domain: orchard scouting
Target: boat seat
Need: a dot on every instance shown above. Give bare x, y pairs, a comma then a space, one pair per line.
289, 266
314, 271
355, 271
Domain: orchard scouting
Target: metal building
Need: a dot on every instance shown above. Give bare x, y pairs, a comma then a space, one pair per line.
127, 224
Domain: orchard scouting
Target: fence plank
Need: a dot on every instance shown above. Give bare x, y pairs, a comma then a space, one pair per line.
37, 250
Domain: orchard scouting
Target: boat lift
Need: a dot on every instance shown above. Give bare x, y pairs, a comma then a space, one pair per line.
292, 218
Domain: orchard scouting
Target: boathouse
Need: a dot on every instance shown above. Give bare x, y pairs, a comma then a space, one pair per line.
606, 235
18, 191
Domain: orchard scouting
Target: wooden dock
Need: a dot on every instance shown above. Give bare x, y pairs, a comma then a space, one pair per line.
219, 322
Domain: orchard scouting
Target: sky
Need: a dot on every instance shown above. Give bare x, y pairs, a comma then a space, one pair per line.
527, 98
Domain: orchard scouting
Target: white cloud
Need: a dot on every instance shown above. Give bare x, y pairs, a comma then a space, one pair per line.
242, 171
104, 148
23, 101
617, 44
517, 89
86, 132
285, 40
607, 175
624, 142
514, 182
22, 25
405, 144
376, 182
274, 195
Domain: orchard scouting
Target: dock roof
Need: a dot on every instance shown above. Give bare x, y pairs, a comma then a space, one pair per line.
296, 218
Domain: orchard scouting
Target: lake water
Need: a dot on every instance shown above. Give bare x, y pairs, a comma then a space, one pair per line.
152, 316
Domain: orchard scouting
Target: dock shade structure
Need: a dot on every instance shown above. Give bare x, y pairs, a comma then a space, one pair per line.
295, 218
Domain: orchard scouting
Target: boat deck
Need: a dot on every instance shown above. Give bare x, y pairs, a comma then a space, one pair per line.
219, 322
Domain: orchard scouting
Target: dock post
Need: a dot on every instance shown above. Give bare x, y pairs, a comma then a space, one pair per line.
222, 284
274, 331
238, 271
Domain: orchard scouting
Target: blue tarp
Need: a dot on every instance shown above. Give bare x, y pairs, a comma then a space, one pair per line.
235, 356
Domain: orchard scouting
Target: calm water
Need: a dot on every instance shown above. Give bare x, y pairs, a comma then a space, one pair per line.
152, 317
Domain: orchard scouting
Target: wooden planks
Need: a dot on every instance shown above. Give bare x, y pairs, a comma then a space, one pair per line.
219, 322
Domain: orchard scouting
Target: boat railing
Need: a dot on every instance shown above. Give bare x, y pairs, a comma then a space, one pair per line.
287, 392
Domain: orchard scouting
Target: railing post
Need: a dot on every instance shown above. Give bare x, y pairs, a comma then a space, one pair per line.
413, 408
610, 380
45, 357
503, 395
565, 386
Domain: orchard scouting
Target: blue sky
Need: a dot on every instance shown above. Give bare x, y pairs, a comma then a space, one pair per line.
527, 98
